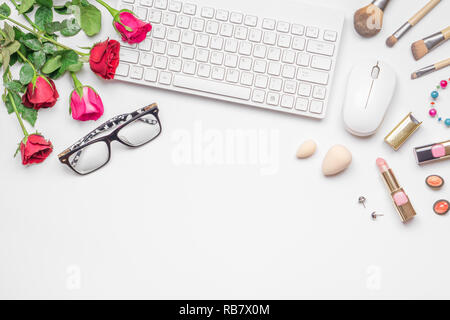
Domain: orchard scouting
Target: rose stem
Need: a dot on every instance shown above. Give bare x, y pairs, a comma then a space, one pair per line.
42, 36
111, 10
27, 61
77, 84
25, 16
24, 130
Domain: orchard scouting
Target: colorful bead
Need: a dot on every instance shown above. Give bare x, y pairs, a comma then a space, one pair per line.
439, 119
444, 84
435, 94
433, 112
447, 122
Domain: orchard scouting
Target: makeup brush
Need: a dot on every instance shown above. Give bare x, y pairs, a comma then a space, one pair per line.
422, 47
430, 69
392, 40
369, 19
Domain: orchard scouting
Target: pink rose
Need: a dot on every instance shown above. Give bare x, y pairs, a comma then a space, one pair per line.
131, 28
87, 107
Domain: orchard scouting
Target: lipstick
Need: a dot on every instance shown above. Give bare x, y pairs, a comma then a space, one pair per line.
398, 195
432, 152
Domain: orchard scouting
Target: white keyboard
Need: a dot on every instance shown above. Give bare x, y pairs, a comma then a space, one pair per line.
279, 56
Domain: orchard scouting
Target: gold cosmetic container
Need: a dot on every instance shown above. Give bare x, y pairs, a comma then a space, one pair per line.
405, 211
397, 137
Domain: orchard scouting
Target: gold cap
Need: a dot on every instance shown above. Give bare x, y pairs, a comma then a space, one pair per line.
397, 137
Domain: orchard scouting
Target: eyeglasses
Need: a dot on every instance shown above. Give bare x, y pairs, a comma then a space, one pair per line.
131, 129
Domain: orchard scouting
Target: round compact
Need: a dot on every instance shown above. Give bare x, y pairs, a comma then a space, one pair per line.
434, 181
441, 207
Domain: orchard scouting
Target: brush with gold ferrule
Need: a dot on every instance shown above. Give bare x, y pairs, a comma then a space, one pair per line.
392, 40
430, 69
423, 47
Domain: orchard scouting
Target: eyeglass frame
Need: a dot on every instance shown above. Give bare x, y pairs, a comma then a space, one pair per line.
113, 136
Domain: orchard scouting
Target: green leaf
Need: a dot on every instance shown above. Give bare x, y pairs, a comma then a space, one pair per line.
8, 104
91, 19
9, 31
26, 74
52, 65
53, 27
13, 47
38, 59
43, 16
33, 44
5, 10
5, 59
70, 27
75, 67
25, 5
68, 58
30, 115
14, 85
45, 3
49, 48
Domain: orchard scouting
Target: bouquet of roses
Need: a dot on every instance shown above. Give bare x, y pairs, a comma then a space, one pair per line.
32, 49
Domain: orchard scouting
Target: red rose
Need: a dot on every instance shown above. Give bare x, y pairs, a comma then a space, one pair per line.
131, 28
41, 94
104, 58
35, 149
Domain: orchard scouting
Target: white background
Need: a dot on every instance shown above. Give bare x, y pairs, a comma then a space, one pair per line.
146, 226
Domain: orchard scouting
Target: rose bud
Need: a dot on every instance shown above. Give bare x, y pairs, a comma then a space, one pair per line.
35, 149
87, 107
131, 28
104, 58
41, 93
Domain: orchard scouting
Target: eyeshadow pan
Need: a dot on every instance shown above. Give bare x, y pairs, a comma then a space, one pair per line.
434, 181
441, 207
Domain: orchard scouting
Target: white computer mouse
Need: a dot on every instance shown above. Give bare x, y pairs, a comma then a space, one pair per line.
370, 88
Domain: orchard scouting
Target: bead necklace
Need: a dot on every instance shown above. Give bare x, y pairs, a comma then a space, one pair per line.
434, 95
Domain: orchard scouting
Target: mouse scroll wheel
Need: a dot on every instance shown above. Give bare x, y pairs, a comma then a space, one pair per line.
375, 72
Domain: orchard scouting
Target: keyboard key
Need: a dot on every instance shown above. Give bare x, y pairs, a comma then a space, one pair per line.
175, 65
216, 43
141, 13
198, 24
312, 76
165, 78
147, 3
274, 54
284, 41
183, 22
161, 62
288, 71
320, 47
173, 35
217, 58
245, 64
218, 73
222, 15
329, 35
260, 51
161, 4
290, 87
274, 69
145, 45
147, 59
316, 106
270, 38
232, 76
322, 63
202, 55
298, 44
204, 70
260, 66
226, 30
236, 17
168, 19
241, 33
231, 45
151, 75
261, 82
159, 32
312, 32
212, 27
129, 55
158, 47
298, 29
231, 60
303, 59
220, 88
189, 67
245, 48
123, 70
273, 98
258, 96
187, 37
188, 53
207, 13
247, 78
189, 9
251, 21
319, 92
255, 35
283, 26
287, 101
202, 40
301, 104
268, 24
288, 56
275, 84
136, 72
304, 89
154, 16
175, 6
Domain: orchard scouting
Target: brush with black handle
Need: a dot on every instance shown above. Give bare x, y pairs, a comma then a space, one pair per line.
422, 47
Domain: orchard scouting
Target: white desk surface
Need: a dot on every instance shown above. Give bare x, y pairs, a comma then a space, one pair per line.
154, 225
